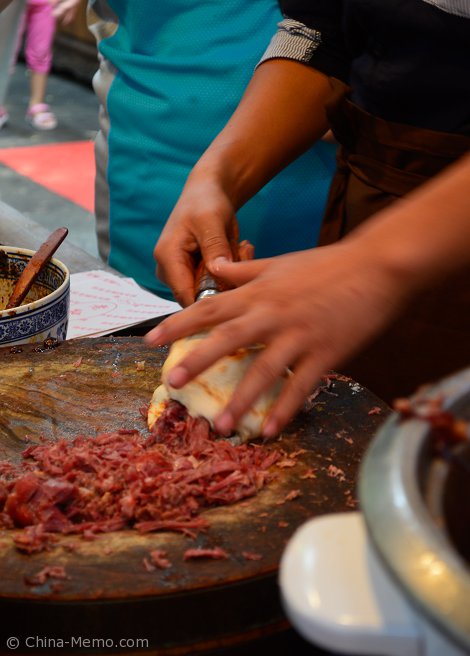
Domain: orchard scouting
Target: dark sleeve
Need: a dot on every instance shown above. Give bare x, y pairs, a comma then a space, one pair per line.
312, 33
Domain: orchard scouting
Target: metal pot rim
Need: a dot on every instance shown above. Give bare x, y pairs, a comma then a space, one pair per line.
413, 548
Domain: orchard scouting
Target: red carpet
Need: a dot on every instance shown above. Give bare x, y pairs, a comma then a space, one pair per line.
66, 169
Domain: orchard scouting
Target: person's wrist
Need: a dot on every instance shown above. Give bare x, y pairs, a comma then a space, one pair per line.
216, 174
399, 253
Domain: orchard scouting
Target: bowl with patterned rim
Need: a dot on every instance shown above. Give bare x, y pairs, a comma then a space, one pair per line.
44, 313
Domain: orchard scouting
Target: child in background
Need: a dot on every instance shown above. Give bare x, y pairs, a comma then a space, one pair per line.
38, 22
39, 25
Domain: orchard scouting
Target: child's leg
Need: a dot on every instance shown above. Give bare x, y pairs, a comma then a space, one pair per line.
38, 50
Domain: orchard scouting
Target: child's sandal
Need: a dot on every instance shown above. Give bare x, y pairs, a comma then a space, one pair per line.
40, 117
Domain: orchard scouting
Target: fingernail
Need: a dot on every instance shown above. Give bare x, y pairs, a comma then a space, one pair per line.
215, 264
224, 423
270, 428
154, 336
178, 377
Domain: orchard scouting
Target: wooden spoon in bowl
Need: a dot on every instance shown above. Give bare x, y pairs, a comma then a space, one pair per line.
34, 267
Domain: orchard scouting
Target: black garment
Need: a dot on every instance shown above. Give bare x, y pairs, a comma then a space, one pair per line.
378, 162
407, 61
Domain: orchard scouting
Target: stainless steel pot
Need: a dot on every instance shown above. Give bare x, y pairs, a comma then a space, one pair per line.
394, 579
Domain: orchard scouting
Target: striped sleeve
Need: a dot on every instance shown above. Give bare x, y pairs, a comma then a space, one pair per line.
456, 7
293, 40
311, 33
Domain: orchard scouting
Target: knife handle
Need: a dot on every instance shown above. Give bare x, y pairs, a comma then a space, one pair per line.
205, 283
208, 285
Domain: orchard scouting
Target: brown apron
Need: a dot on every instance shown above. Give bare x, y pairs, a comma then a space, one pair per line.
379, 161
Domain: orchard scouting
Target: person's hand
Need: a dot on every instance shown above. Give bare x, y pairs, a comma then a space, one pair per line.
314, 309
64, 10
202, 224
311, 309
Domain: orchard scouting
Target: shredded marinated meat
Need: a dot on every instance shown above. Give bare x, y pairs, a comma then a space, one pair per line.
447, 430
251, 555
217, 553
159, 558
48, 572
126, 480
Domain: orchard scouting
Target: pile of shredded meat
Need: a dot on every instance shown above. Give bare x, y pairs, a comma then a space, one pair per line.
126, 480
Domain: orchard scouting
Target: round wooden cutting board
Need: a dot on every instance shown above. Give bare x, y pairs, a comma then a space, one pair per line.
99, 385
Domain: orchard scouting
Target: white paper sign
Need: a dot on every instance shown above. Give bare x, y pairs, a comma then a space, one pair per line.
101, 303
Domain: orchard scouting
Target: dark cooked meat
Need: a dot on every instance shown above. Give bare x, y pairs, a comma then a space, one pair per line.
124, 480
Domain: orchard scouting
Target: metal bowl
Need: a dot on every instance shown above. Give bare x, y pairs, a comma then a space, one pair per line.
417, 511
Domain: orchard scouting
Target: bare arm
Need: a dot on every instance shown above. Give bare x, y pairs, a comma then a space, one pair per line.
281, 114
65, 10
296, 304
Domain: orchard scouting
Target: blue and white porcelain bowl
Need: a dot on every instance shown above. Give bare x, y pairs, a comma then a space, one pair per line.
44, 313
